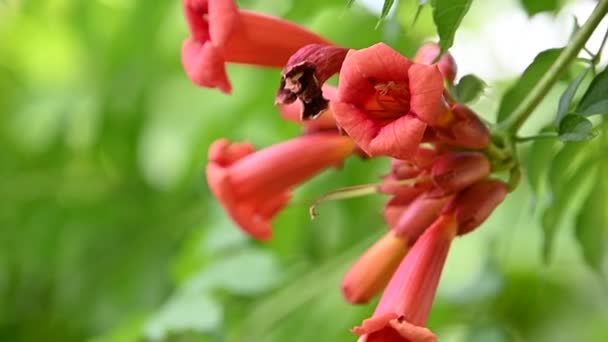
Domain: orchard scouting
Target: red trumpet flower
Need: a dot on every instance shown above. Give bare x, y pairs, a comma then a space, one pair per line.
254, 186
385, 102
221, 33
405, 305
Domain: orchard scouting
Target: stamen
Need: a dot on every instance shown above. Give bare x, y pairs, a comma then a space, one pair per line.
393, 98
361, 190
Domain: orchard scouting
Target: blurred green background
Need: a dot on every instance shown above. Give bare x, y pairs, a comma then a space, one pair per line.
108, 231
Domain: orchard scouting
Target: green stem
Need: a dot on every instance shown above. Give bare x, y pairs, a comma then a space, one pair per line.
538, 93
596, 57
591, 54
546, 135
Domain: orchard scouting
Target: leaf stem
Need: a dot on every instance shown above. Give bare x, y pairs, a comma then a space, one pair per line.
596, 56
546, 135
538, 93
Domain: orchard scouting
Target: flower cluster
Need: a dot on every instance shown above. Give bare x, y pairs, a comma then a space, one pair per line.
385, 105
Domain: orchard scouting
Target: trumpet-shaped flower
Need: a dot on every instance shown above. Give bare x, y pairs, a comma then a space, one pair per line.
221, 33
385, 102
405, 305
254, 186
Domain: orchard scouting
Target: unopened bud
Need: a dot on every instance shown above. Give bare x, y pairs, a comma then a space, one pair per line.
418, 216
472, 206
457, 170
447, 65
466, 130
370, 274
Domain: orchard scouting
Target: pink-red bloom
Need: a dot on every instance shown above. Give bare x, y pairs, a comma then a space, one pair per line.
403, 310
385, 102
221, 33
254, 186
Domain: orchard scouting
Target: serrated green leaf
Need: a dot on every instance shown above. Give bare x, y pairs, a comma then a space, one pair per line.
469, 88
591, 228
575, 127
595, 99
447, 15
533, 7
566, 99
513, 97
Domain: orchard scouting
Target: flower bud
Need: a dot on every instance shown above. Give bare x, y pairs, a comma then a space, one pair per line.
418, 215
370, 274
454, 171
447, 65
472, 206
466, 130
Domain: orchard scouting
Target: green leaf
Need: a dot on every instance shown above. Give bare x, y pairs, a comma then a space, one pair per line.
574, 127
388, 4
591, 228
538, 158
185, 312
566, 99
447, 15
533, 7
350, 3
247, 272
562, 195
469, 88
564, 163
418, 11
526, 82
595, 99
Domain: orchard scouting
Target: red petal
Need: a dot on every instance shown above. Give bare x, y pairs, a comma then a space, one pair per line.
426, 88
398, 139
264, 40
204, 65
223, 20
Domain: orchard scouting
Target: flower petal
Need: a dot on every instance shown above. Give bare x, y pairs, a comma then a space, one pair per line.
426, 88
223, 19
363, 69
204, 65
264, 40
398, 139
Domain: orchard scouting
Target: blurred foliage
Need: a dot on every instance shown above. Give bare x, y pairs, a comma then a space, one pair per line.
109, 233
